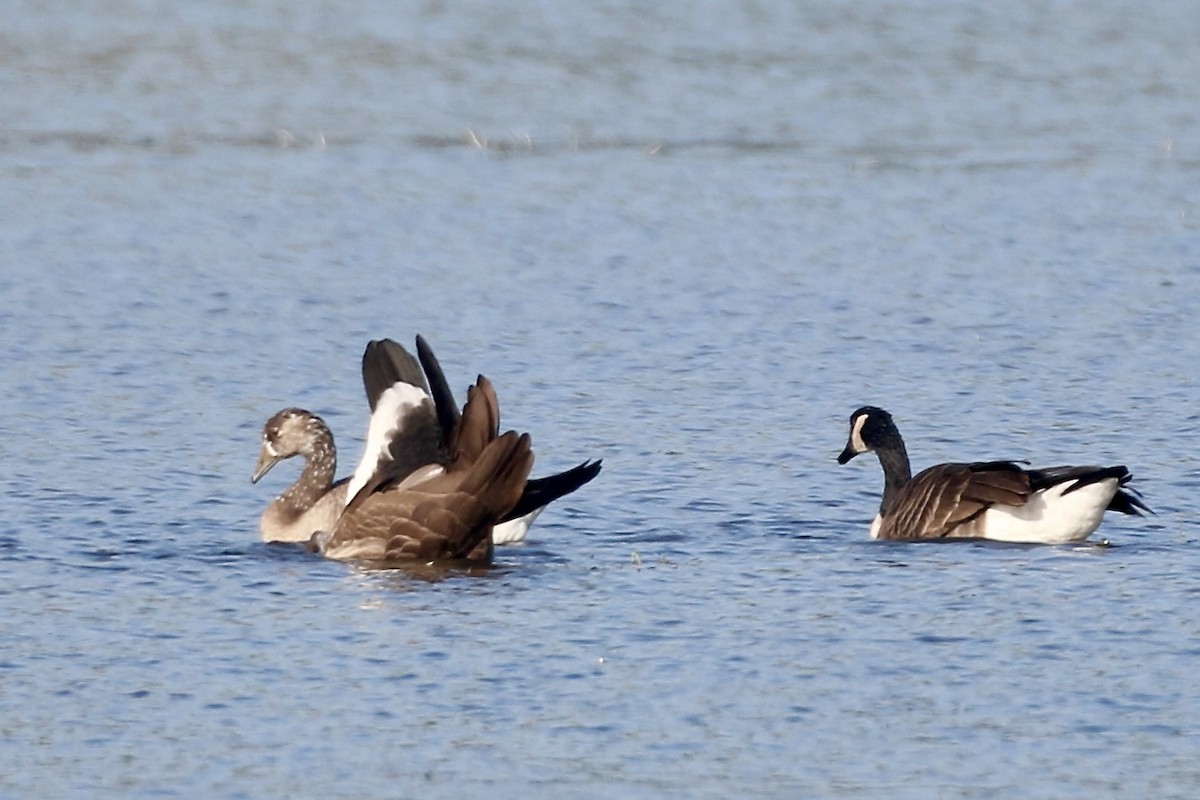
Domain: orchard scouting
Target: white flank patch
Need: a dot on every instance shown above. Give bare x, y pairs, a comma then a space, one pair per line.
1051, 517
876, 524
514, 530
394, 405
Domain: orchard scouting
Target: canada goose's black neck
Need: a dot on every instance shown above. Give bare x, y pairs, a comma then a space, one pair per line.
320, 465
896, 470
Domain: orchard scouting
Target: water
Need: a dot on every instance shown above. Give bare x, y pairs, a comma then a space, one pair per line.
687, 242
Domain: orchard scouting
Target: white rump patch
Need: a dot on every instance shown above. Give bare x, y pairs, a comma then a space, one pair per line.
396, 402
1050, 516
514, 530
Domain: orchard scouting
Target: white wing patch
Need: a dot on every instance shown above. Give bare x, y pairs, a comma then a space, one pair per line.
393, 406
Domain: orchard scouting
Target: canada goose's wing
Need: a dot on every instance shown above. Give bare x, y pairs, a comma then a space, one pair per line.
949, 500
538, 492
446, 516
413, 447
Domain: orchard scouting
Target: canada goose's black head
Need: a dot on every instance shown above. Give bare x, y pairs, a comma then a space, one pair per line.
871, 428
291, 432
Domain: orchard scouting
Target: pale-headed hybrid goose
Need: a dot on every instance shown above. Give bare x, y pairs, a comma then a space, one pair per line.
407, 430
996, 500
402, 415
438, 512
314, 502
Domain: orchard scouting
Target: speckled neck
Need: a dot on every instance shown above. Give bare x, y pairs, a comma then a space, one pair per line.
320, 465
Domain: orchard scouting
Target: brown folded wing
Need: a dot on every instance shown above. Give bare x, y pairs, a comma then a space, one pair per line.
949, 500
455, 524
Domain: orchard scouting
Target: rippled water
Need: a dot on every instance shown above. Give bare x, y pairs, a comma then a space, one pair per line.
688, 242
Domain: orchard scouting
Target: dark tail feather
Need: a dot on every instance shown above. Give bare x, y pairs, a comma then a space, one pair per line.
1127, 500
541, 491
386, 363
443, 399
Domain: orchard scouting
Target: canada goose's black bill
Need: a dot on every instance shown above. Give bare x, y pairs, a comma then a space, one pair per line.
855, 445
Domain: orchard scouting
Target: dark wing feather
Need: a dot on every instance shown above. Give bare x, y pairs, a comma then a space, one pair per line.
386, 363
480, 423
997, 483
415, 440
443, 399
539, 491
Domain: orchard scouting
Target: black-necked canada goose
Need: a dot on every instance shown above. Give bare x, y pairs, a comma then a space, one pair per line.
408, 429
997, 500
438, 512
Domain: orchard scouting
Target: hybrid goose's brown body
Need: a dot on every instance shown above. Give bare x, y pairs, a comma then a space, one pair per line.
444, 475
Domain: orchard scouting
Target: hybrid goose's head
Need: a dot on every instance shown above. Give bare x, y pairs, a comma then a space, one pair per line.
292, 432
871, 428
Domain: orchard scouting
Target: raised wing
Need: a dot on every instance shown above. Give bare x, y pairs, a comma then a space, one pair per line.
443, 399
403, 433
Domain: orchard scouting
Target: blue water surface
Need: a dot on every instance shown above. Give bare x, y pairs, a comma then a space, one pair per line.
688, 241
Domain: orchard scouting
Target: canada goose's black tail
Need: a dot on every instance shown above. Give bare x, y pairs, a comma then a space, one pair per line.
541, 491
1127, 500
